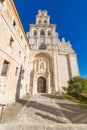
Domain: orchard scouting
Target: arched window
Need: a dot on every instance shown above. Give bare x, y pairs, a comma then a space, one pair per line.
14, 23
43, 14
35, 32
11, 42
49, 32
39, 21
42, 32
45, 21
42, 47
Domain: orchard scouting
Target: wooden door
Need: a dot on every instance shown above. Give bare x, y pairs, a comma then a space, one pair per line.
41, 86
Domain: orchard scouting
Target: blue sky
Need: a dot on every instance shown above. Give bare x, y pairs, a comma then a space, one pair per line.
70, 17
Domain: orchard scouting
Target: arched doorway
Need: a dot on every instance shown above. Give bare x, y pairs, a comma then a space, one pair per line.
41, 85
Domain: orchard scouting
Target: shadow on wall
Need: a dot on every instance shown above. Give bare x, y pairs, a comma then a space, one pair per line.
19, 85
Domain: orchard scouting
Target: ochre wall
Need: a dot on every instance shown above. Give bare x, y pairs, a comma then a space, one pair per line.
8, 83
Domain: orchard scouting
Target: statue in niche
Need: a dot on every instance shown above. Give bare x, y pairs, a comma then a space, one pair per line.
41, 66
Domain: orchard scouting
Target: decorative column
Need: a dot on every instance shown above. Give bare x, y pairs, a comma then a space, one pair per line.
47, 63
34, 85
48, 84
34, 78
35, 66
56, 80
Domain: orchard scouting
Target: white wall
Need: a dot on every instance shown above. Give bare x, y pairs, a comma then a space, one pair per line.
63, 70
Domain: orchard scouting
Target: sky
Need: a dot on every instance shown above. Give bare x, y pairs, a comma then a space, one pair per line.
70, 17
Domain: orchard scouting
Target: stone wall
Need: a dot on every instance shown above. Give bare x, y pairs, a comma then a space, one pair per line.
14, 48
73, 65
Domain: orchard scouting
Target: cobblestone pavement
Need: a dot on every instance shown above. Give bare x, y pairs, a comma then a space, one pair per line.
44, 112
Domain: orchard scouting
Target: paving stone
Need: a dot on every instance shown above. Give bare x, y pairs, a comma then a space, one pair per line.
41, 127
45, 112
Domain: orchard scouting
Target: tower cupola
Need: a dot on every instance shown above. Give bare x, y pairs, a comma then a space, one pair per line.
42, 17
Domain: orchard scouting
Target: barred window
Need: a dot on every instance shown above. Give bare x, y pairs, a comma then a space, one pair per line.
45, 21
24, 58
42, 32
17, 71
35, 32
49, 32
14, 23
5, 68
11, 42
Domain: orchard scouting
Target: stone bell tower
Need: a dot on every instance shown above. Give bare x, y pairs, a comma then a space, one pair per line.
54, 61
42, 34
42, 18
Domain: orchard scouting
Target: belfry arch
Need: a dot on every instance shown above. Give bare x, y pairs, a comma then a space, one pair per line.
41, 75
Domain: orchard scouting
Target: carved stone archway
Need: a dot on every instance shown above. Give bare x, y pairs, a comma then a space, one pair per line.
42, 77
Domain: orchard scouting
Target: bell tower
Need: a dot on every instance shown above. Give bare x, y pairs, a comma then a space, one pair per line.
42, 18
42, 34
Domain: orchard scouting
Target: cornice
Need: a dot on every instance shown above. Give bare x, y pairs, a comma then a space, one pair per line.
45, 25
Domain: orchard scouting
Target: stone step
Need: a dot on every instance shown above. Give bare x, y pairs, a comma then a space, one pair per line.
39, 127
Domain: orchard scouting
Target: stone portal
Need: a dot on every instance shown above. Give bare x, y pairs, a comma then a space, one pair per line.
41, 78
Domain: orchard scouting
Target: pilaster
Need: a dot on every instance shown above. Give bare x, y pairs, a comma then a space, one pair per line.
55, 71
48, 84
73, 65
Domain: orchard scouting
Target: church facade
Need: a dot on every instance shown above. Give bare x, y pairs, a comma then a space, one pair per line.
54, 61
36, 62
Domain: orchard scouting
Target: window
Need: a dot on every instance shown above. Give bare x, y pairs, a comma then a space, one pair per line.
39, 21
24, 58
11, 42
49, 32
45, 21
14, 23
21, 37
17, 71
4, 4
5, 68
19, 53
2, 1
42, 47
35, 32
42, 32
22, 74
43, 14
